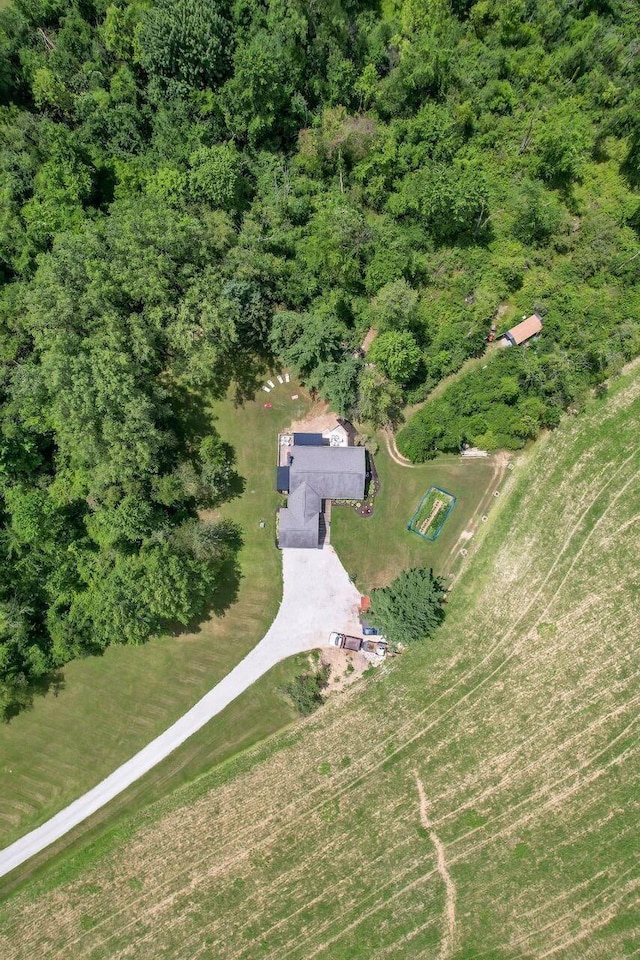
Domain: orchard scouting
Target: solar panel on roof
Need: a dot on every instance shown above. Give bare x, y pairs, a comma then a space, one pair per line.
282, 478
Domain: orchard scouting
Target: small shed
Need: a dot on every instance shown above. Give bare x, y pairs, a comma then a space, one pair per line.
522, 331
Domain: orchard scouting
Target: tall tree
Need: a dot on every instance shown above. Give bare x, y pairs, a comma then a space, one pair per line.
410, 608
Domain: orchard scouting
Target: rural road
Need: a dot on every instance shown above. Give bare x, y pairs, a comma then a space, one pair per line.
317, 598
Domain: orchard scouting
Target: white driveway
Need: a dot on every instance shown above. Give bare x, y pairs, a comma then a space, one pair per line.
317, 598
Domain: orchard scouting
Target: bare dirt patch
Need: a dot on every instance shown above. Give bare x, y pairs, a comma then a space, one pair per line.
319, 418
346, 667
368, 340
449, 924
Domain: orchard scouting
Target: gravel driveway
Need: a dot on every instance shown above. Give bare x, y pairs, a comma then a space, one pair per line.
318, 598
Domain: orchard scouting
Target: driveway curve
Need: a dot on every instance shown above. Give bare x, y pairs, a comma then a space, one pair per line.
317, 598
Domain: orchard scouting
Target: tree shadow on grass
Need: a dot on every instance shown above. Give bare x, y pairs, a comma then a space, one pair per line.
250, 374
227, 588
223, 596
52, 682
192, 420
237, 486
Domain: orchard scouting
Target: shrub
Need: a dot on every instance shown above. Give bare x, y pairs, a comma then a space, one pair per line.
305, 690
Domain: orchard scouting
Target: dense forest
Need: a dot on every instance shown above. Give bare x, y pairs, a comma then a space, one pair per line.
192, 187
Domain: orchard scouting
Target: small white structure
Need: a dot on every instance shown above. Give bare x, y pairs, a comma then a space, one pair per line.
337, 436
474, 452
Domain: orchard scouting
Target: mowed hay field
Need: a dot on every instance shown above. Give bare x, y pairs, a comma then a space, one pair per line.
111, 706
477, 798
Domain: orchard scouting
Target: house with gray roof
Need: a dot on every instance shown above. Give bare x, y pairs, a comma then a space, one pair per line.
313, 474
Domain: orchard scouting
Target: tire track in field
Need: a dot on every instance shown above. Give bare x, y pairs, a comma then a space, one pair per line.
392, 948
544, 791
475, 848
526, 914
546, 905
473, 801
621, 529
500, 464
392, 886
449, 922
365, 868
517, 648
606, 915
499, 643
459, 859
307, 904
285, 879
531, 767
570, 915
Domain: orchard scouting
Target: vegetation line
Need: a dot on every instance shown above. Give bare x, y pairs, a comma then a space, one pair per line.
449, 925
393, 451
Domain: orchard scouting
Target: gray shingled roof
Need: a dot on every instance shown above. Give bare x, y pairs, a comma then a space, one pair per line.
317, 474
304, 502
299, 521
335, 473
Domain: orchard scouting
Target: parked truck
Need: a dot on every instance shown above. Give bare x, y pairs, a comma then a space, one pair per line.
345, 642
378, 646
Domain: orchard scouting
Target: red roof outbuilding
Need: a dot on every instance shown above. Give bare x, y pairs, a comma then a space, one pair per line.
524, 330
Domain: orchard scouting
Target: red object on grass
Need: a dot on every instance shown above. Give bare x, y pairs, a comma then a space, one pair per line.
268, 405
365, 603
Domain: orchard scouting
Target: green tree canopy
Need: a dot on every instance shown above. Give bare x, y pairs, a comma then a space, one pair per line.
215, 176
397, 354
410, 608
185, 43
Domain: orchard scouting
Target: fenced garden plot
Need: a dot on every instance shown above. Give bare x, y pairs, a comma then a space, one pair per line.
434, 508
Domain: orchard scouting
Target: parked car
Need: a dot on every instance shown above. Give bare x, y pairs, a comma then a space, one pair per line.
344, 641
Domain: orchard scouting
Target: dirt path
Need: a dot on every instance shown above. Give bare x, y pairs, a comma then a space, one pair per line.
449, 924
470, 364
500, 462
394, 453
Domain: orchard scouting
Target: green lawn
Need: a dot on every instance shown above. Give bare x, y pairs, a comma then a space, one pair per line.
517, 727
109, 707
379, 547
